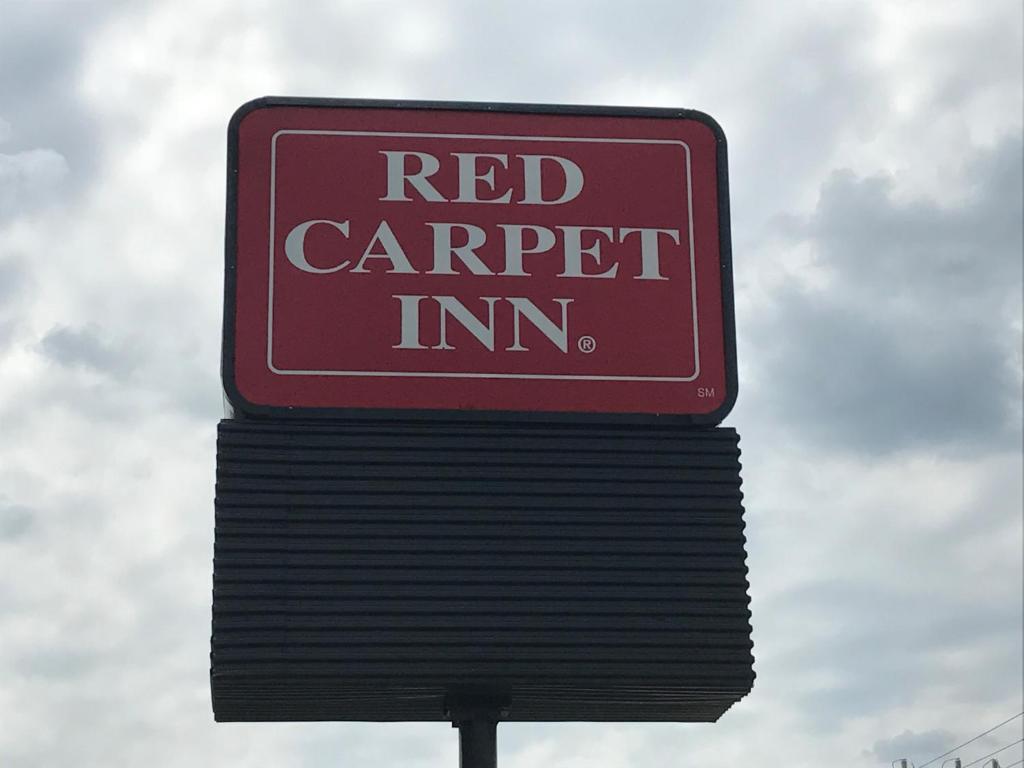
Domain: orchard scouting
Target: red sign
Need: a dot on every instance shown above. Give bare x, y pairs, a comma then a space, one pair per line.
477, 257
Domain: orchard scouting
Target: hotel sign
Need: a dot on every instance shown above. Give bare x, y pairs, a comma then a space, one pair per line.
472, 257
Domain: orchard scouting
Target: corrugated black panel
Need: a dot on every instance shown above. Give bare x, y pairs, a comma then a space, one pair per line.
366, 571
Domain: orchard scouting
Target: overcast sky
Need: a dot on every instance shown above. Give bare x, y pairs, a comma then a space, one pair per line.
876, 174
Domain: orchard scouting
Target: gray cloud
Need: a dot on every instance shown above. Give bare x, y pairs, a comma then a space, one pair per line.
908, 744
143, 371
14, 284
41, 46
12, 278
15, 520
527, 51
971, 57
815, 84
884, 645
533, 49
28, 179
86, 348
912, 341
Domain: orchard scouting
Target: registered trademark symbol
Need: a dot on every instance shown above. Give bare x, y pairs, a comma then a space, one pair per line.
587, 344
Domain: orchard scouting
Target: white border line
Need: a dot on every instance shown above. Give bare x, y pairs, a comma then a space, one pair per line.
456, 375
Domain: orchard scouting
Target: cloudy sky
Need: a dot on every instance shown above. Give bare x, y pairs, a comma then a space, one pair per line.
876, 174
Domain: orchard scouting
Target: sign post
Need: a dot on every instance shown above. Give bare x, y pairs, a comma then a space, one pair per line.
476, 356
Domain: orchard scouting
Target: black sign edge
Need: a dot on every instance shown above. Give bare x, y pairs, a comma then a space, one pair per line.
243, 408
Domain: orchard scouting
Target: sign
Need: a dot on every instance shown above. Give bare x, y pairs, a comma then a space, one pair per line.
477, 257
551, 289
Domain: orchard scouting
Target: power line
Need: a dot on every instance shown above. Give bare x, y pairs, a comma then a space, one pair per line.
986, 733
1018, 741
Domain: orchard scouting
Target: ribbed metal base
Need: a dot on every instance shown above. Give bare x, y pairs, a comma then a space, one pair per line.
363, 571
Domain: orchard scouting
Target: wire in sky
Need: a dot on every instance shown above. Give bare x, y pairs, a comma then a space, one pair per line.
986, 733
986, 757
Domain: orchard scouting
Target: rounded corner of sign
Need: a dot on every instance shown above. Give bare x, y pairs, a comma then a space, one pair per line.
239, 402
246, 109
717, 416
709, 122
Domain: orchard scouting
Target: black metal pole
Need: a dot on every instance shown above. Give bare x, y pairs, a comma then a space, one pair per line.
478, 742
476, 712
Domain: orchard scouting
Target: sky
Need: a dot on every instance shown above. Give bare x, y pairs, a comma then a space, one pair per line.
876, 182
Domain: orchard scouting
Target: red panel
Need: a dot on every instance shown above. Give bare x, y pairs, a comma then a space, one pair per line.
652, 336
